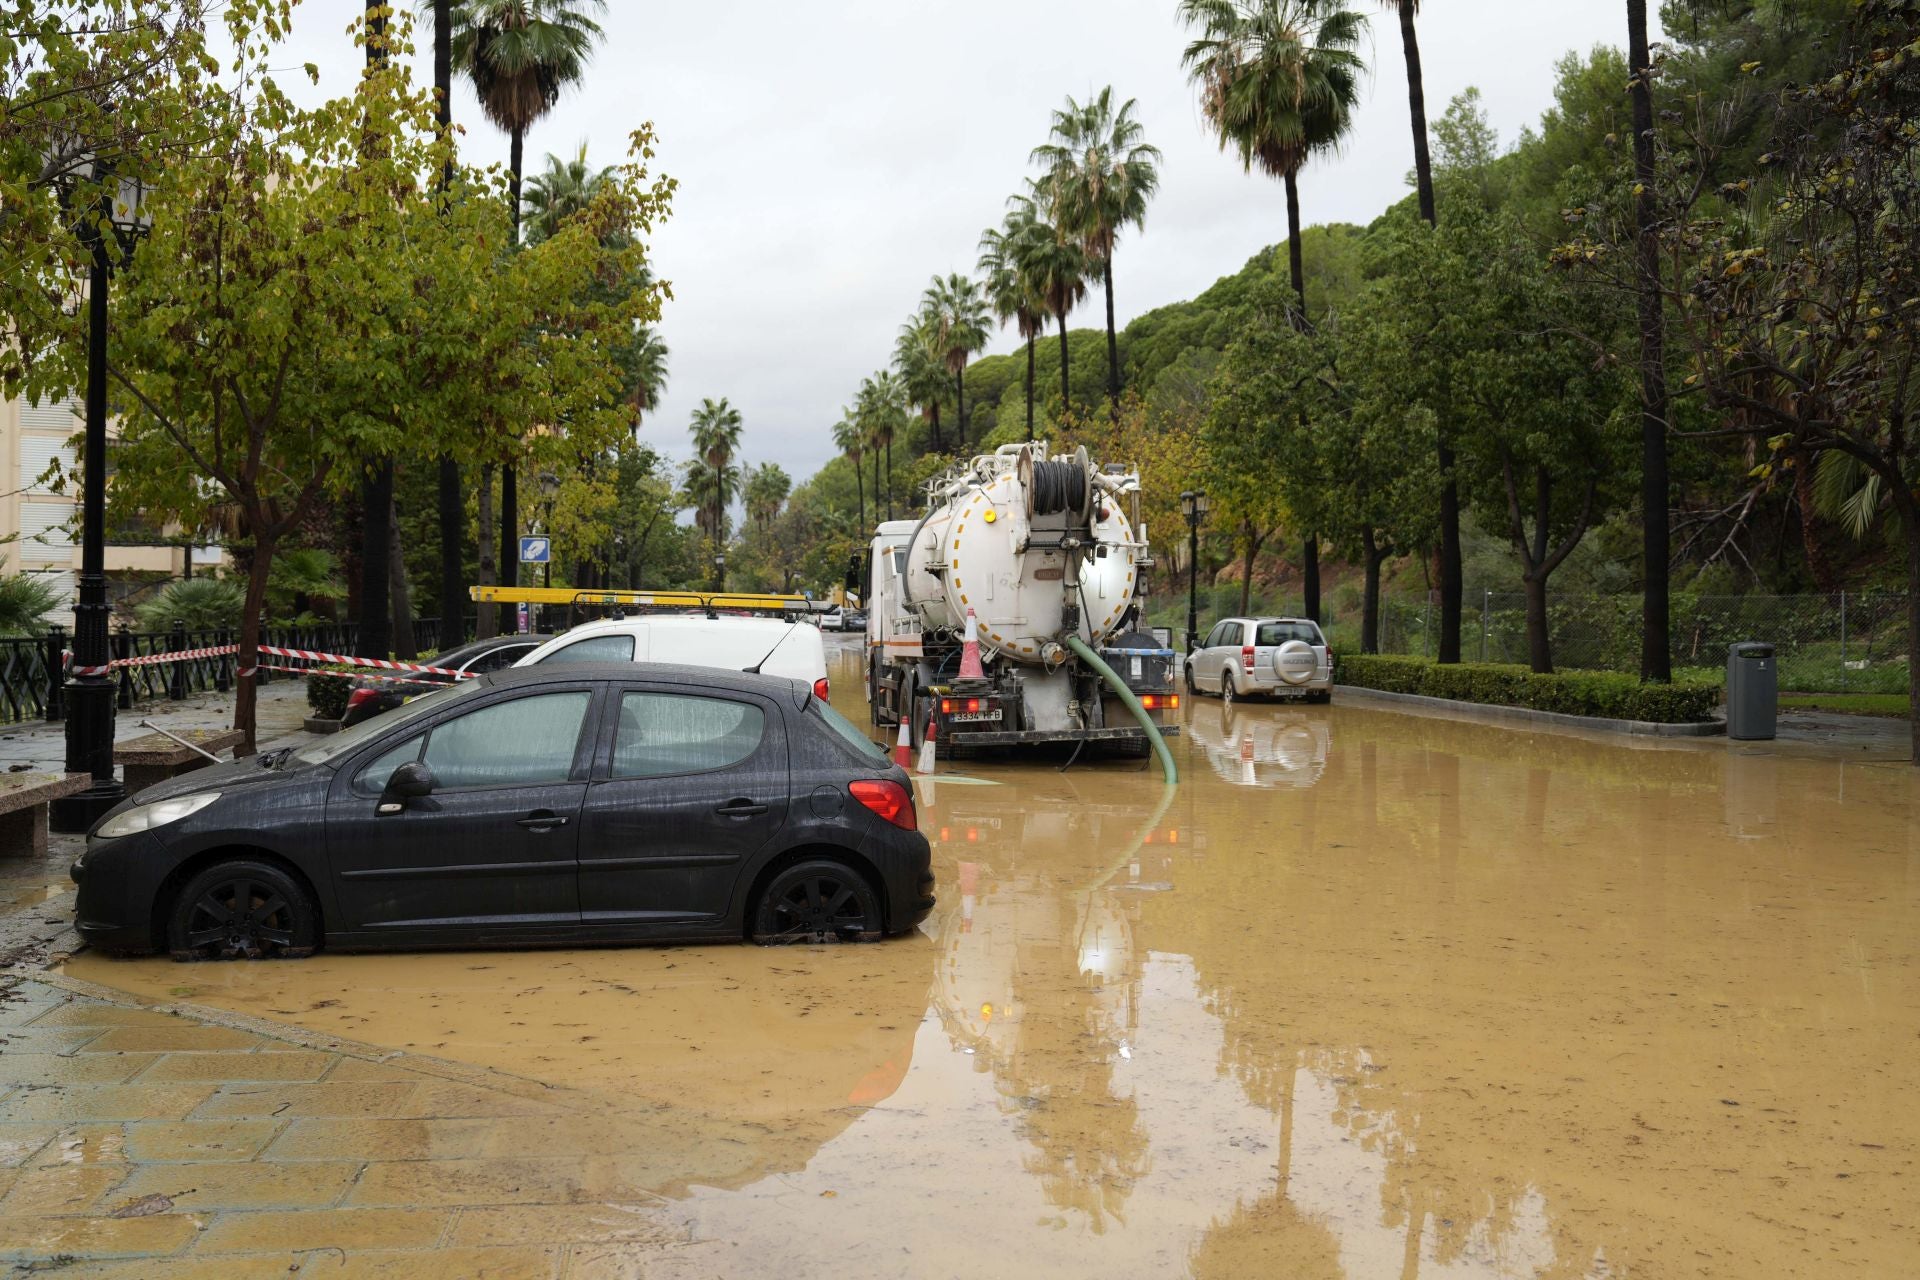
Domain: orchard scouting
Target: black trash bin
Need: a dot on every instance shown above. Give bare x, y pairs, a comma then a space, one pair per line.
1753, 691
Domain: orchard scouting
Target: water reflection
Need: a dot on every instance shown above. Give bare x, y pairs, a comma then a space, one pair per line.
1283, 746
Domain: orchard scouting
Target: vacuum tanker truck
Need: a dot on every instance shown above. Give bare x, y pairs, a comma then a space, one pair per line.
1044, 560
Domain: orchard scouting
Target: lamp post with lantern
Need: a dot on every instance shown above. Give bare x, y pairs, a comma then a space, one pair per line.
1193, 505
109, 217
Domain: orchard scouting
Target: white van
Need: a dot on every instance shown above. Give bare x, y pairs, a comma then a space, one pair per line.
766, 645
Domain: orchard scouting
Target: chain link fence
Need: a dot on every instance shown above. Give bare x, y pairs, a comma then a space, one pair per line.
1848, 642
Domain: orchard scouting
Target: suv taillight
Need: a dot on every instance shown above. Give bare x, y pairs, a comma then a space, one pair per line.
361, 695
1246, 657
888, 799
820, 688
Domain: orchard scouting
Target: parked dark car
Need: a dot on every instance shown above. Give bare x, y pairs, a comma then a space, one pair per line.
562, 805
370, 696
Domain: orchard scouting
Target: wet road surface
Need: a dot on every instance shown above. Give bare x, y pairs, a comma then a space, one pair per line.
1370, 994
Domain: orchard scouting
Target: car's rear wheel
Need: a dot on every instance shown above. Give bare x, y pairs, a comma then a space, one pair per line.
817, 901
242, 910
1229, 689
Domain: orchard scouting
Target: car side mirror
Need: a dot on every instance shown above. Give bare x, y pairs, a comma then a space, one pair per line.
411, 781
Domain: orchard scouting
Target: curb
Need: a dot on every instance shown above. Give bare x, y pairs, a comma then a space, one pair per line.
1527, 716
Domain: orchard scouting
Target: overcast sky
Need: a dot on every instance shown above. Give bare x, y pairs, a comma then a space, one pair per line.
834, 155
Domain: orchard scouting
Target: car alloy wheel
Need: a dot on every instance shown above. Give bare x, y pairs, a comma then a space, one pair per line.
1228, 689
242, 911
817, 901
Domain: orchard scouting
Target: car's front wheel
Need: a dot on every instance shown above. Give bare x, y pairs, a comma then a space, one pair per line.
242, 910
817, 901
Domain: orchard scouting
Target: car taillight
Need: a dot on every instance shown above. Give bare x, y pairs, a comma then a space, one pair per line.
1160, 701
361, 696
888, 799
1246, 657
820, 688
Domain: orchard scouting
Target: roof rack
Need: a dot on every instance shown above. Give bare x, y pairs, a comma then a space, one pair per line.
710, 602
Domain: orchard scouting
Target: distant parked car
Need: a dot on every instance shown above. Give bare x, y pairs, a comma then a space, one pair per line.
854, 620
1270, 657
370, 697
559, 805
768, 646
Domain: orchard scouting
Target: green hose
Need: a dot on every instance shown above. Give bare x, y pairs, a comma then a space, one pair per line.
1119, 686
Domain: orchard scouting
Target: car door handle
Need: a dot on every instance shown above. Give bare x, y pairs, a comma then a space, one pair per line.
542, 820
740, 809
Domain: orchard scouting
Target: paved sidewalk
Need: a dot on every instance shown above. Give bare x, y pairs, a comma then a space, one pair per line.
39, 745
139, 1143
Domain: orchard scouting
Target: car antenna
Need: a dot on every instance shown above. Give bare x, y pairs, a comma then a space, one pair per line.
754, 670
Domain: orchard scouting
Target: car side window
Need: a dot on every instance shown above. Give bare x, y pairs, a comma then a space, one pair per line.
1219, 636
505, 656
513, 743
594, 649
372, 780
666, 733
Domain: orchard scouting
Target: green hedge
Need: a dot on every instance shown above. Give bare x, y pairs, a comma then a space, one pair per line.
1581, 693
327, 693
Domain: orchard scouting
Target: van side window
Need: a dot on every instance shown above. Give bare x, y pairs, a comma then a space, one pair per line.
594, 649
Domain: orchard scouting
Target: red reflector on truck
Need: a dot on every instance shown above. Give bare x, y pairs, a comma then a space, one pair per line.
888, 799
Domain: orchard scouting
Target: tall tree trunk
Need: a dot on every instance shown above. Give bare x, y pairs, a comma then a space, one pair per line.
1656, 658
487, 616
404, 645
443, 80
376, 496
1113, 346
1417, 106
1451, 572
1908, 508
959, 414
453, 566
1310, 575
246, 688
860, 494
1370, 596
889, 478
938, 446
1062, 317
1249, 549
876, 481
1030, 343
1539, 636
1819, 563
1296, 262
509, 536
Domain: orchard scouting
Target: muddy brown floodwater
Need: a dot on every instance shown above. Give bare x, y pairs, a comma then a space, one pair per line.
1370, 994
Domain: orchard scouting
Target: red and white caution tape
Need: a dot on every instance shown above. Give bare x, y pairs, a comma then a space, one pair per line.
383, 664
309, 655
184, 655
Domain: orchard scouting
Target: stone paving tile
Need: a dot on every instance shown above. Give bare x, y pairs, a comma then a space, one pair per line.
280, 1232
19, 1142
329, 1139
348, 1070
164, 1141
73, 1012
559, 1180
180, 1037
36, 1237
60, 1189
577, 1223
102, 1142
295, 1066
514, 1263
323, 1099
250, 1185
105, 1102
52, 1068
47, 1039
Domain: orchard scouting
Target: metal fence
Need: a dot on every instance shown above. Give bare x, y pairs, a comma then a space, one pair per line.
27, 692
1845, 642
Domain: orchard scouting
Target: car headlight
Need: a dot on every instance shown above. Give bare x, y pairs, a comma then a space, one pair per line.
158, 814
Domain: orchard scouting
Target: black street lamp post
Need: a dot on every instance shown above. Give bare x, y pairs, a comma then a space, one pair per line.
112, 222
1193, 505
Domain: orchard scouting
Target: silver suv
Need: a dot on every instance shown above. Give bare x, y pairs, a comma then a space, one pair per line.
1278, 657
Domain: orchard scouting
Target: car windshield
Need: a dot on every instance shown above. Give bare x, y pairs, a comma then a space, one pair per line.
1273, 633
847, 729
339, 744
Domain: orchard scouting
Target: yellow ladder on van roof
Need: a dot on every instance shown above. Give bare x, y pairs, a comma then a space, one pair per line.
707, 600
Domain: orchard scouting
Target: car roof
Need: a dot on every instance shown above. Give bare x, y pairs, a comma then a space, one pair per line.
665, 672
617, 625
1273, 618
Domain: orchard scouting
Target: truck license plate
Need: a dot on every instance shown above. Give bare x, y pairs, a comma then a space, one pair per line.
963, 717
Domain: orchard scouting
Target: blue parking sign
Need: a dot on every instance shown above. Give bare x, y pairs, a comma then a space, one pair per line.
536, 550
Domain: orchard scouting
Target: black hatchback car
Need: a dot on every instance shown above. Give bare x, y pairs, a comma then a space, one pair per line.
373, 695
545, 805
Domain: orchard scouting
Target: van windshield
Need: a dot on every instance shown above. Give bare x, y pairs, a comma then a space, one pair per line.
1278, 633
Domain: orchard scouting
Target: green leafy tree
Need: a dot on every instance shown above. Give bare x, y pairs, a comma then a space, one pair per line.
1011, 289
1053, 262
959, 316
715, 430
561, 191
851, 440
920, 358
881, 410
1101, 172
202, 604
25, 601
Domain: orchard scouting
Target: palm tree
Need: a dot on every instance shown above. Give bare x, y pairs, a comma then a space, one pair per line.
1656, 655
1054, 264
1101, 172
1416, 105
921, 361
564, 189
645, 372
1010, 289
453, 512
880, 407
765, 491
1279, 80
521, 55
962, 319
716, 438
848, 439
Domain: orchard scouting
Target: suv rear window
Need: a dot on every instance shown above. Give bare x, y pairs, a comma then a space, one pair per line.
1278, 633
848, 731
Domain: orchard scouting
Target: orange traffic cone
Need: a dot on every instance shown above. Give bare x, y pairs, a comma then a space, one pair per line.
927, 749
903, 749
970, 668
